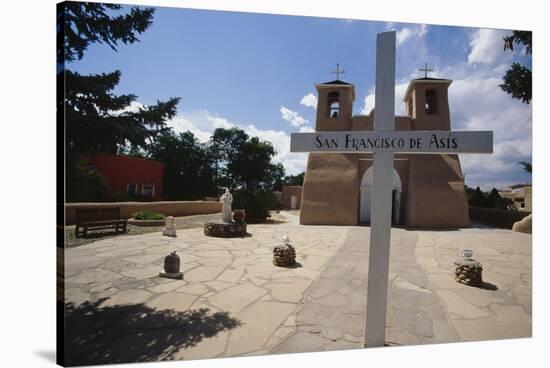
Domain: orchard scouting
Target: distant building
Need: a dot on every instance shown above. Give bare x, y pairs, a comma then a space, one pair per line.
521, 197
291, 196
427, 190
137, 177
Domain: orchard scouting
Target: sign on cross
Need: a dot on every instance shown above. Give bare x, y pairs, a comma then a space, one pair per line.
383, 142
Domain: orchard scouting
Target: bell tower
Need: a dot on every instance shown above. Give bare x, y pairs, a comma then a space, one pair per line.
335, 104
427, 103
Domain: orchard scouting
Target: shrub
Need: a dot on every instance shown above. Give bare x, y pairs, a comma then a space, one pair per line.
148, 215
83, 182
256, 203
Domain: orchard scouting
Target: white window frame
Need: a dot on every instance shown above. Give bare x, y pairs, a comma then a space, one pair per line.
128, 188
148, 185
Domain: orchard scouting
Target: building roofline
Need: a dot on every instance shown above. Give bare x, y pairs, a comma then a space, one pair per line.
424, 80
339, 85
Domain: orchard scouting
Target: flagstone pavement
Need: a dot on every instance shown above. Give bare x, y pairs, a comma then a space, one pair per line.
233, 301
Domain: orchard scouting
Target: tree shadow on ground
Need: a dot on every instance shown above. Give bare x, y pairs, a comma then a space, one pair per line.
96, 334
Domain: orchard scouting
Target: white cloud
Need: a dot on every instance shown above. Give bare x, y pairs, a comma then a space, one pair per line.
406, 33
309, 100
202, 124
292, 117
306, 129
479, 104
400, 88
487, 46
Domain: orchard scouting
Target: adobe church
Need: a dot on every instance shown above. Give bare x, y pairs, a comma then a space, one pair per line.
428, 190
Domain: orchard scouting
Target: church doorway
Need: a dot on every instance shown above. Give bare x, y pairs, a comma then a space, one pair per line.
366, 195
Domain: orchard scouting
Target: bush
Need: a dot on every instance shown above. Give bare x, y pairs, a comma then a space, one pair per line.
148, 215
83, 182
256, 203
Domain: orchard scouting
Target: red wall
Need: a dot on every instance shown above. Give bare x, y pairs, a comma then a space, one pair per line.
119, 171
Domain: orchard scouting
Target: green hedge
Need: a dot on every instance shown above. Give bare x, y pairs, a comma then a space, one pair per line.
148, 215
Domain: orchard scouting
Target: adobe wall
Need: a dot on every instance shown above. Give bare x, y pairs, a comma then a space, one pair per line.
330, 195
287, 192
436, 196
497, 217
528, 198
169, 208
424, 121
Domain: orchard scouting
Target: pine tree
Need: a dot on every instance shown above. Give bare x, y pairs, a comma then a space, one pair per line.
94, 119
478, 199
97, 120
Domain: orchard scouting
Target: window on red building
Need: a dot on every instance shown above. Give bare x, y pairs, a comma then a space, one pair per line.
132, 189
147, 190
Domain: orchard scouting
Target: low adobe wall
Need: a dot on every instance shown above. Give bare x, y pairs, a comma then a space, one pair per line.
171, 208
288, 191
496, 217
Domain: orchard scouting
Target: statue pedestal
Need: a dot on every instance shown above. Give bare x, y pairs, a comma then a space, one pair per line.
220, 229
172, 275
169, 232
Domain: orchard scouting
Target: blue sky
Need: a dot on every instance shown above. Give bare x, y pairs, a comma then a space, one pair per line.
258, 72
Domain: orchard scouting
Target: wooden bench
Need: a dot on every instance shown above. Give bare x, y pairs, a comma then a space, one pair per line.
98, 218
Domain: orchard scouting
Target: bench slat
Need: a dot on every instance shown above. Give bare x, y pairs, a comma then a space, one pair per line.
98, 218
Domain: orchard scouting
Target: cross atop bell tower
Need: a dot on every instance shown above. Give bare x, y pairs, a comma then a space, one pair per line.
425, 70
334, 104
338, 71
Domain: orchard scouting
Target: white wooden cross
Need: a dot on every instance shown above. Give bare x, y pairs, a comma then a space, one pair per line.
383, 141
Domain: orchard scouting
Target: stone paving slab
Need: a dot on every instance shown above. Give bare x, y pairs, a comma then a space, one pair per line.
233, 301
425, 303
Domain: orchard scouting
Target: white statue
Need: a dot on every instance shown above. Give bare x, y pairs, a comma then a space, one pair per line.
227, 214
169, 226
286, 240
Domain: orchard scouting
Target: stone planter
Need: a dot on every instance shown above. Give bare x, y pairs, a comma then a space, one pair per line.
133, 221
469, 272
284, 255
239, 215
220, 229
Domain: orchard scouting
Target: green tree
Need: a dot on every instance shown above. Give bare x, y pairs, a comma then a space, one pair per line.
189, 166
527, 166
95, 119
295, 179
244, 162
494, 200
518, 80
87, 184
477, 199
245, 165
